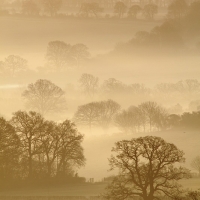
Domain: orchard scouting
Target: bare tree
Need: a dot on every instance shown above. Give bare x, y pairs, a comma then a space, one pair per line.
87, 114
29, 7
79, 52
89, 84
90, 8
44, 97
107, 112
150, 10
196, 164
13, 64
146, 169
49, 140
70, 149
120, 9
155, 115
133, 11
28, 127
52, 6
97, 113
58, 54
9, 151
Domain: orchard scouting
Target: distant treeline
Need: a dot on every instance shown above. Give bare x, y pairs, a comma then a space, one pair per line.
126, 8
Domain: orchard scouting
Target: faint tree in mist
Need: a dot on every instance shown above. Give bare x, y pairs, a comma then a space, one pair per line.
177, 9
150, 10
196, 164
148, 116
28, 127
9, 152
147, 168
87, 115
97, 113
90, 8
29, 7
78, 53
52, 6
120, 9
133, 11
89, 84
13, 64
45, 97
57, 55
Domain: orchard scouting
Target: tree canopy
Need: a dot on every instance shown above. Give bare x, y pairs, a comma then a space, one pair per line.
147, 168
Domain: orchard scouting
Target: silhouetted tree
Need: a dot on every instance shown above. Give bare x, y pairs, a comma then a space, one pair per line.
147, 169
107, 112
196, 164
28, 127
120, 9
90, 8
50, 144
29, 7
13, 64
52, 6
150, 10
154, 114
70, 149
133, 11
79, 53
9, 152
89, 84
44, 97
113, 86
87, 114
97, 113
58, 54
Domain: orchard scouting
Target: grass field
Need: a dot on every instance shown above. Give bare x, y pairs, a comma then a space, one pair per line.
95, 189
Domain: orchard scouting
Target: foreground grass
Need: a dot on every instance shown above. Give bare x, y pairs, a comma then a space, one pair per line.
95, 189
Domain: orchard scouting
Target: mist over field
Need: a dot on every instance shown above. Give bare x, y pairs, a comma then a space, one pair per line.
81, 78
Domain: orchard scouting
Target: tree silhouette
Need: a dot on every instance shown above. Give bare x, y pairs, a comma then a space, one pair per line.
13, 64
44, 97
58, 54
52, 6
120, 9
97, 113
28, 127
90, 8
147, 169
29, 7
78, 53
133, 11
9, 152
150, 10
70, 149
89, 84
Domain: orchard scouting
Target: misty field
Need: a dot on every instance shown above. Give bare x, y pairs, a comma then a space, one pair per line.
28, 37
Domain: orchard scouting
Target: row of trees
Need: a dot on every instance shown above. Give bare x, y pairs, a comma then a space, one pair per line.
34, 148
45, 97
176, 9
146, 117
59, 56
182, 20
120, 9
